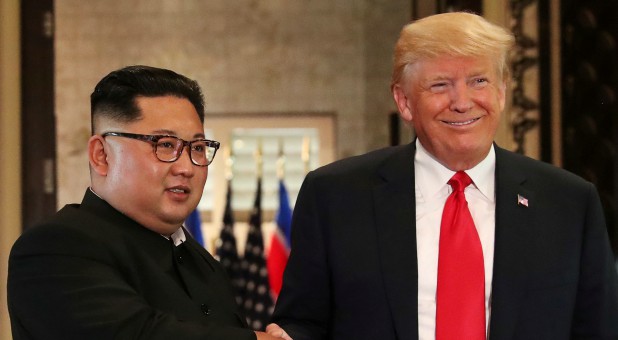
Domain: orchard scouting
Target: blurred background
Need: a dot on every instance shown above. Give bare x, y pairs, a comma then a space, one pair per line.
297, 83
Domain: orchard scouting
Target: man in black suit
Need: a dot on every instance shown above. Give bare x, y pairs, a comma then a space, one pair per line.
120, 265
366, 244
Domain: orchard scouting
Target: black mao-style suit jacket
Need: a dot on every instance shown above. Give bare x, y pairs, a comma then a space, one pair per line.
92, 273
352, 272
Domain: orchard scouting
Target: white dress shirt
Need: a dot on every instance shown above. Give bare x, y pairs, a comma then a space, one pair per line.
432, 190
178, 237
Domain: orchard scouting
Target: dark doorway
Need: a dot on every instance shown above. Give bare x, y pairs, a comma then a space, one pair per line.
475, 6
38, 121
590, 98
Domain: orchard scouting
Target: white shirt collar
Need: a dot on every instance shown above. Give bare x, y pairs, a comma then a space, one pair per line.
178, 237
432, 177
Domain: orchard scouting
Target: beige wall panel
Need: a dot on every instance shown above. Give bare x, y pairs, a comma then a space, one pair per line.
249, 56
10, 194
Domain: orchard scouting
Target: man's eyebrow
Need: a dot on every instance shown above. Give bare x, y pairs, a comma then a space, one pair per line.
478, 73
439, 77
164, 132
173, 133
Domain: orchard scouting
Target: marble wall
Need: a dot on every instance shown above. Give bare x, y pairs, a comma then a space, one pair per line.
249, 56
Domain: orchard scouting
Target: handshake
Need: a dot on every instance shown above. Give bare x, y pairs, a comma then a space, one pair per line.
273, 331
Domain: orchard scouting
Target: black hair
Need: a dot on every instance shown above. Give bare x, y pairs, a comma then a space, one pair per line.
114, 96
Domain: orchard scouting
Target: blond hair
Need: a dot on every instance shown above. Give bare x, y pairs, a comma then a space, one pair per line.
458, 34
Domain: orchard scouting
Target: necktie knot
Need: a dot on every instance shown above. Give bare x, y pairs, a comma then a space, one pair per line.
460, 181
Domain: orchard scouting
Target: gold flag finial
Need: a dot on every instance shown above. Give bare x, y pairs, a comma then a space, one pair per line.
281, 161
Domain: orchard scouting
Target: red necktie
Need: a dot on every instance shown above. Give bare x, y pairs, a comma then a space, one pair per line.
460, 296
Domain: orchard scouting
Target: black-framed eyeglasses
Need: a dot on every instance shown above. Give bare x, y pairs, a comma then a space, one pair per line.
169, 148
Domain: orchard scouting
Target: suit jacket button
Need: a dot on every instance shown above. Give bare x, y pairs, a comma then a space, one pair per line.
205, 309
180, 260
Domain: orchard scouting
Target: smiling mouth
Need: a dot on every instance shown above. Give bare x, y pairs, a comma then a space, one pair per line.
461, 123
179, 191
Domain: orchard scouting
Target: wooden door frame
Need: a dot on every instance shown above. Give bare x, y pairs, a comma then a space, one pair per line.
38, 137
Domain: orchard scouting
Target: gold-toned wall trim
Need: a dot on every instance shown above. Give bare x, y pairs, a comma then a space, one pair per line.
497, 11
10, 179
525, 60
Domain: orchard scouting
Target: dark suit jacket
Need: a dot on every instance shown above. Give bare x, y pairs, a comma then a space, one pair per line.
352, 272
92, 273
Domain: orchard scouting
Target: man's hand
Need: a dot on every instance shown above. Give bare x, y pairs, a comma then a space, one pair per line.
264, 336
275, 330
272, 336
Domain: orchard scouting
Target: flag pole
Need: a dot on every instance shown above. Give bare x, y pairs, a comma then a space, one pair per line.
306, 152
259, 158
229, 163
281, 161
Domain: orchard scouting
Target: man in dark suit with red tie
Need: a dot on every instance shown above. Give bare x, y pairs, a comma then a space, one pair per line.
120, 265
451, 236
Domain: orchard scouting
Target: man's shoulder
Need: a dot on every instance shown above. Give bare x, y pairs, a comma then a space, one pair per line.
57, 233
536, 170
72, 230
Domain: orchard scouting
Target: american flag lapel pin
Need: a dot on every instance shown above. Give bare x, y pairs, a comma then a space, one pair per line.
521, 200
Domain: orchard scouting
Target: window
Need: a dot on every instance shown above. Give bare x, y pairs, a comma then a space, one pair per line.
306, 141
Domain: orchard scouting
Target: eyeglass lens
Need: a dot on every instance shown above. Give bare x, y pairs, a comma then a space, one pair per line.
169, 149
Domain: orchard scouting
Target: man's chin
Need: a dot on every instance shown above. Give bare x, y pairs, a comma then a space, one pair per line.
178, 219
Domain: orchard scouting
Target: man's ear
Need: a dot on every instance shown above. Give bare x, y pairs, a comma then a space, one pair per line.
97, 155
401, 99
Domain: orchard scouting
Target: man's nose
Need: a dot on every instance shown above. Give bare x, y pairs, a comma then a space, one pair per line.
184, 164
461, 101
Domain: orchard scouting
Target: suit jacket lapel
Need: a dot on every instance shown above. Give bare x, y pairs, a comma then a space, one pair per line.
395, 222
513, 232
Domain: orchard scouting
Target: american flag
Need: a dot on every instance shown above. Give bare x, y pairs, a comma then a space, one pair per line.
521, 200
257, 302
226, 251
280, 242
